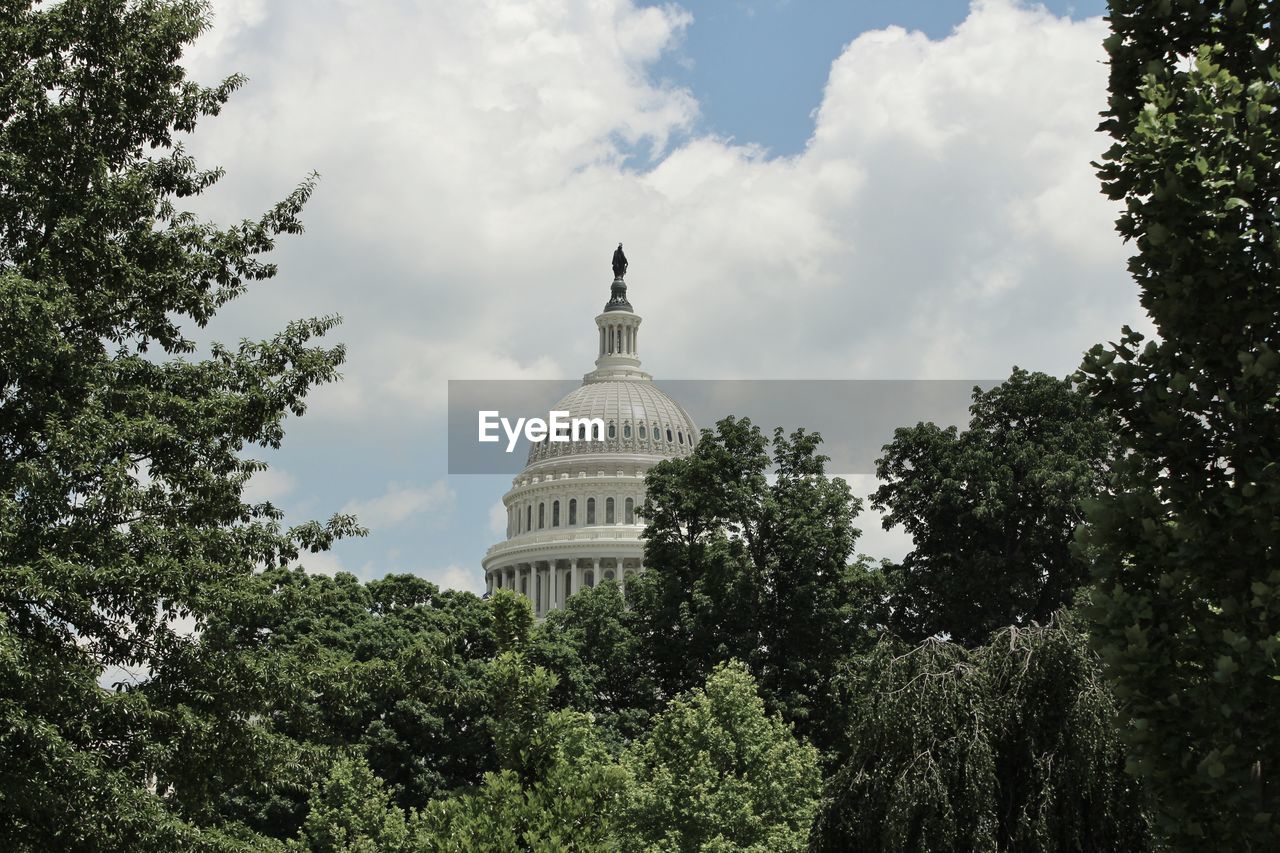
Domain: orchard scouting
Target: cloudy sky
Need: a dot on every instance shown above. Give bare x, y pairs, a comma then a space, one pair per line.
880, 190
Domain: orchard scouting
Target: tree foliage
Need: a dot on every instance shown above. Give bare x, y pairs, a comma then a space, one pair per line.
393, 672
748, 569
1187, 608
570, 803
121, 463
595, 646
716, 772
351, 812
1009, 746
992, 509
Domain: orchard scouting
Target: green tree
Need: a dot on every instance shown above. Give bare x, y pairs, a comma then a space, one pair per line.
992, 510
596, 648
513, 620
121, 469
746, 569
717, 773
1187, 608
1010, 746
351, 812
393, 671
558, 787
571, 805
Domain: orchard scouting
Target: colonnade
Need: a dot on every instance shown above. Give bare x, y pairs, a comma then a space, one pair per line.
549, 582
619, 338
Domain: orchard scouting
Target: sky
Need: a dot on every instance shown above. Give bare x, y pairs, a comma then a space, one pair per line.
824, 190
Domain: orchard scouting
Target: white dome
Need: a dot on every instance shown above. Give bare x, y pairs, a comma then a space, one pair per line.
638, 418
574, 512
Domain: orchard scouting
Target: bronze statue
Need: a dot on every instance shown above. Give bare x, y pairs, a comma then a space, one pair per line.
619, 263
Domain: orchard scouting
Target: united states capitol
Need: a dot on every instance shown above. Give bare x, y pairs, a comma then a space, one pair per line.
572, 513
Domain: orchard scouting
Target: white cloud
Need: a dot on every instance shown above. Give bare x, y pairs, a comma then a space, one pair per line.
943, 220
323, 563
457, 577
272, 484
875, 541
477, 161
401, 502
498, 519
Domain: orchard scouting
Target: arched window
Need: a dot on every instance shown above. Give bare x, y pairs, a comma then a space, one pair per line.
589, 580
528, 517
642, 435
555, 513
573, 511
591, 510
608, 575
626, 430
630, 506
680, 437
568, 583
524, 586
608, 510
668, 435
613, 430
542, 515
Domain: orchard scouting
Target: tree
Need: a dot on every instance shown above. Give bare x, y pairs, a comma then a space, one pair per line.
594, 645
351, 812
571, 804
558, 787
741, 568
121, 463
992, 510
393, 672
717, 773
1006, 747
1187, 607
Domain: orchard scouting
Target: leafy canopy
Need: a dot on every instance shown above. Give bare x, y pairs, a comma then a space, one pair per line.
1187, 607
992, 509
743, 568
715, 772
122, 452
1009, 746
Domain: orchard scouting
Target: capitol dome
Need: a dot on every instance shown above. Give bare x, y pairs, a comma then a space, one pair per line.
572, 517
638, 418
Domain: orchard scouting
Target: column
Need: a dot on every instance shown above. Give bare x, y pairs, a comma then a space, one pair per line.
553, 589
548, 600
595, 572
